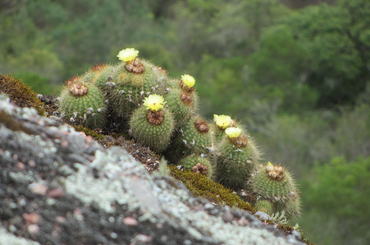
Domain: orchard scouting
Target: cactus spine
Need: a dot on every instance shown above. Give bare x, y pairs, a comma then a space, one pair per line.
193, 137
181, 101
83, 103
238, 158
128, 89
152, 125
275, 184
198, 164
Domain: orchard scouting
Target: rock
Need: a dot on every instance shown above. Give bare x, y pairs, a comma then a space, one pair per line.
81, 193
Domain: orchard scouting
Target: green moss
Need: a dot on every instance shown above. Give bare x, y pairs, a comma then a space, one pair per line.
12, 124
201, 186
90, 132
20, 94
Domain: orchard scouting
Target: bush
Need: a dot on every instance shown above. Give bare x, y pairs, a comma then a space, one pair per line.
340, 191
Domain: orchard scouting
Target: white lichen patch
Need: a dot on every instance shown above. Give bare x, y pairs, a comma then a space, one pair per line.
7, 238
121, 180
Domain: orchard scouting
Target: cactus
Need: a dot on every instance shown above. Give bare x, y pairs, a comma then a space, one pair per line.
133, 90
152, 125
193, 137
220, 123
82, 103
198, 164
264, 206
238, 158
275, 184
181, 101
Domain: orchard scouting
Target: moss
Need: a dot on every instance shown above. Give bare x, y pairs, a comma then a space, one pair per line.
201, 186
12, 124
20, 94
90, 132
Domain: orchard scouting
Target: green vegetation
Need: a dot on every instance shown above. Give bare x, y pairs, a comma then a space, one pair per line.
20, 94
298, 78
202, 186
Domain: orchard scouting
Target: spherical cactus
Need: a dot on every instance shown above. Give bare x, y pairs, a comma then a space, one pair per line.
151, 124
274, 183
193, 137
264, 206
182, 100
238, 158
198, 164
82, 103
131, 81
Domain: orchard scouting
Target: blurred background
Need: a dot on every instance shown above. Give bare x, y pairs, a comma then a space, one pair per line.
295, 72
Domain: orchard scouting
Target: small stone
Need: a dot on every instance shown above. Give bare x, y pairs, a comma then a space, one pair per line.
31, 163
228, 217
56, 193
20, 166
130, 221
33, 228
38, 188
32, 218
60, 219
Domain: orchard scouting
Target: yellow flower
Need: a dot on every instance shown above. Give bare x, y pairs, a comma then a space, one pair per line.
222, 121
188, 80
233, 132
154, 102
127, 54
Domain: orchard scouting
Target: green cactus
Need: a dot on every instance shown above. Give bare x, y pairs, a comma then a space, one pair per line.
194, 136
238, 157
133, 90
264, 206
199, 164
181, 104
152, 125
275, 184
82, 103
126, 89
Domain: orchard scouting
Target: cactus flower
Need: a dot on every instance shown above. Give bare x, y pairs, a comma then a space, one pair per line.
127, 54
188, 80
269, 167
222, 121
233, 132
154, 102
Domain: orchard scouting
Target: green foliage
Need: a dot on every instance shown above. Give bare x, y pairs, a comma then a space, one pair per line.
38, 83
299, 141
341, 189
318, 46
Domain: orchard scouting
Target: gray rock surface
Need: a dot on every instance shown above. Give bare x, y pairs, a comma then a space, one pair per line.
58, 186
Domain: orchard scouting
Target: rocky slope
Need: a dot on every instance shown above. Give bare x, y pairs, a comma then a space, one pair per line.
58, 186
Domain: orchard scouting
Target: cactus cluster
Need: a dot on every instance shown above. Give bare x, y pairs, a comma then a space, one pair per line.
161, 112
